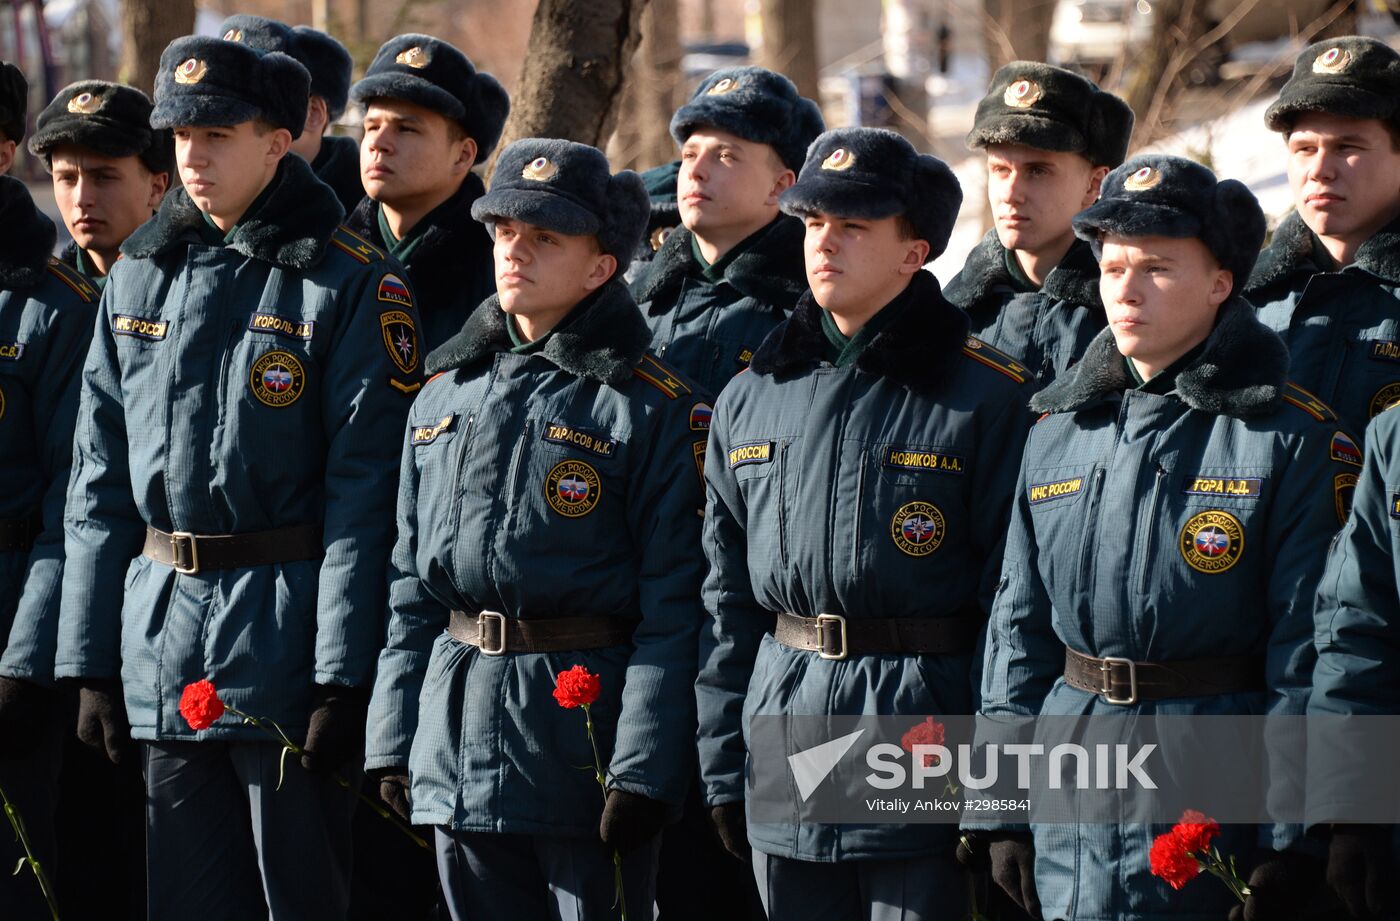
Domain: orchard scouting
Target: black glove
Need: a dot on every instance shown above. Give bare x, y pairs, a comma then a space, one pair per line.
102, 721
732, 828
394, 790
25, 709
630, 820
1358, 868
1011, 855
1281, 883
336, 731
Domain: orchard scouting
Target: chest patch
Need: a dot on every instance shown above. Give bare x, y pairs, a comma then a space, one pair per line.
427, 434
139, 327
916, 459
1060, 489
560, 434
1384, 398
1223, 486
917, 528
277, 379
11, 351
1212, 542
1385, 350
572, 488
756, 452
282, 326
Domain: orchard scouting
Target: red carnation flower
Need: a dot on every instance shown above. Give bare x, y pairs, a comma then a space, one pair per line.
1171, 861
200, 704
577, 687
1195, 831
926, 733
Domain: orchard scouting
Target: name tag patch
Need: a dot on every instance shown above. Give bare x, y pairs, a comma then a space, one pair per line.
1044, 492
1223, 486
916, 459
150, 330
282, 326
560, 434
757, 452
427, 434
1385, 350
11, 351
1395, 505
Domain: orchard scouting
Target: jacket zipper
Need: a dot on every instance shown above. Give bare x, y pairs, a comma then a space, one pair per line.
1150, 525
460, 462
1091, 523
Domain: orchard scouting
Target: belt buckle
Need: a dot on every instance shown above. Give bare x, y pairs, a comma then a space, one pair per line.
481, 621
826, 622
1106, 669
189, 541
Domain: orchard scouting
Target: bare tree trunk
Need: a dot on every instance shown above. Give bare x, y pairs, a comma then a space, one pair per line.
790, 42
1017, 30
147, 27
571, 81
652, 92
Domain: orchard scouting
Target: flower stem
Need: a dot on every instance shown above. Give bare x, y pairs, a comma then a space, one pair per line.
275, 731
17, 823
621, 901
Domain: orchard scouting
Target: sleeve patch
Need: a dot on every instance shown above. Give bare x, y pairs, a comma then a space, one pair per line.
1344, 449
1343, 489
392, 290
700, 415
400, 339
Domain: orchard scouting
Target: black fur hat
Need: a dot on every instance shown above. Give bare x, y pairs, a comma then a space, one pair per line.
14, 101
756, 104
874, 173
110, 118
568, 188
208, 81
323, 57
1050, 108
1154, 195
1351, 76
433, 74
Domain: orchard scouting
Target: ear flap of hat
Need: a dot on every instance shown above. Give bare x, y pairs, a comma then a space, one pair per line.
488, 120
284, 85
937, 198
1110, 129
626, 221
1238, 229
805, 124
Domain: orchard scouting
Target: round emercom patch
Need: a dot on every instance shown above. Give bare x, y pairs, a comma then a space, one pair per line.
1212, 541
277, 379
572, 488
917, 528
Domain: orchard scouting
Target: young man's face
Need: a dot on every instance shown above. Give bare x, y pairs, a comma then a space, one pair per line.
224, 168
854, 265
103, 199
727, 185
411, 152
1344, 174
541, 273
1034, 193
1161, 294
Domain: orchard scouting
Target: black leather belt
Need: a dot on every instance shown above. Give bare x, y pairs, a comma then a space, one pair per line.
496, 634
1123, 681
19, 533
192, 553
833, 636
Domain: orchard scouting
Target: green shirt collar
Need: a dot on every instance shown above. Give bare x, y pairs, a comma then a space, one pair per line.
1164, 382
1019, 279
713, 272
401, 250
1321, 258
85, 266
842, 351
216, 237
